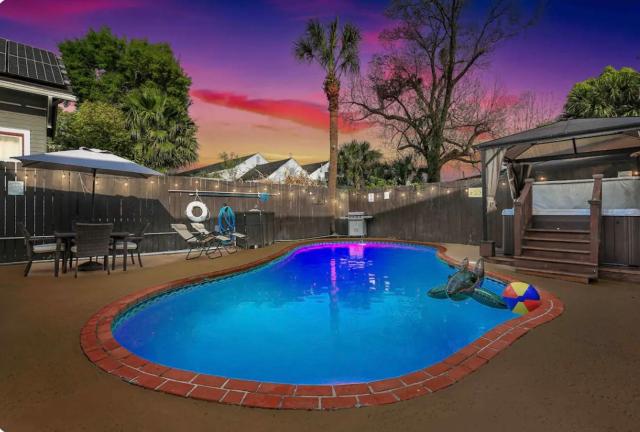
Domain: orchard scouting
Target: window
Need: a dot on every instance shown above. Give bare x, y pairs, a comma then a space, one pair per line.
12, 144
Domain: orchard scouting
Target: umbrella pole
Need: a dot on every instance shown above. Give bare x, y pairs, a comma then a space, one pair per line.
91, 265
93, 195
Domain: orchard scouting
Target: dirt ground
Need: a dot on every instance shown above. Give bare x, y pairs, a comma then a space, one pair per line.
580, 372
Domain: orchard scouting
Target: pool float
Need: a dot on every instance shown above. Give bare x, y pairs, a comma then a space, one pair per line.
204, 211
466, 283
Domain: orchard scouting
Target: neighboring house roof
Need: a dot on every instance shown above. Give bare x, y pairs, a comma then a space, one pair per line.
263, 171
313, 167
218, 166
33, 70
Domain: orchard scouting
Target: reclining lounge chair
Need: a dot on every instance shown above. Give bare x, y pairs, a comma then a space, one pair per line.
198, 242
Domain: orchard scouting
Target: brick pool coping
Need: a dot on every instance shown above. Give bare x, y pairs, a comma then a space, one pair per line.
101, 348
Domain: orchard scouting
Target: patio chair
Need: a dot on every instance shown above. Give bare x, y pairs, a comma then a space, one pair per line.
220, 240
197, 242
35, 248
132, 244
92, 240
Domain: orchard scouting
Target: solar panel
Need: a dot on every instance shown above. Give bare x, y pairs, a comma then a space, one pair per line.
31, 63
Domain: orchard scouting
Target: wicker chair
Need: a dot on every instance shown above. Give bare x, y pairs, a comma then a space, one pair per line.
35, 248
92, 240
132, 244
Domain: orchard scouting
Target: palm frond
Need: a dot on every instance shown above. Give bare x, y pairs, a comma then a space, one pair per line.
349, 50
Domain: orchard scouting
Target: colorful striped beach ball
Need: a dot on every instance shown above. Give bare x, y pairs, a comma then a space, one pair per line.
521, 297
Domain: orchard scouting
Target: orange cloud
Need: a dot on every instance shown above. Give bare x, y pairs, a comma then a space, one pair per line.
301, 112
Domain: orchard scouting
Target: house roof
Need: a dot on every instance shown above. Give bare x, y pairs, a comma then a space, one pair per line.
218, 166
33, 70
263, 171
313, 167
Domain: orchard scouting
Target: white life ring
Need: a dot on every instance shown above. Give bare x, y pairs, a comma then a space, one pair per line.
203, 210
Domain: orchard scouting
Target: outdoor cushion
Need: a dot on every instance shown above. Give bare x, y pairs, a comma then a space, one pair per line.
130, 245
46, 248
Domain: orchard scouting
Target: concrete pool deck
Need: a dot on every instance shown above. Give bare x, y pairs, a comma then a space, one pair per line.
578, 372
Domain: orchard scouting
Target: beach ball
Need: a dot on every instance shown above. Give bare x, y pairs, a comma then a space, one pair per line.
521, 297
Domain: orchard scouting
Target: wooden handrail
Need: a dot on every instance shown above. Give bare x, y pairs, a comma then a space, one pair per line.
523, 211
595, 219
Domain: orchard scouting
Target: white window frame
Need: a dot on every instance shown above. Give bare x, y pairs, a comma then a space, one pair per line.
26, 143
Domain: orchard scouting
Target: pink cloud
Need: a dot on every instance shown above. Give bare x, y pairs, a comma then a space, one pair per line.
304, 113
39, 11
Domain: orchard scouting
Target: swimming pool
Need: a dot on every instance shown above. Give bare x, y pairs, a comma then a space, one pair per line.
322, 314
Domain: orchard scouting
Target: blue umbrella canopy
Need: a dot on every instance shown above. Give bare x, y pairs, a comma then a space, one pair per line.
88, 160
94, 161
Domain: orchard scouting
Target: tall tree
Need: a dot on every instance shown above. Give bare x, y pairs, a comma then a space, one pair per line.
142, 80
335, 50
615, 93
422, 90
104, 67
356, 162
162, 132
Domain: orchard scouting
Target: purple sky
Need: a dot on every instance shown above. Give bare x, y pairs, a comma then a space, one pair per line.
251, 94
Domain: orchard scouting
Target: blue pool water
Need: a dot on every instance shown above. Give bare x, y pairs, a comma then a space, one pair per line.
332, 313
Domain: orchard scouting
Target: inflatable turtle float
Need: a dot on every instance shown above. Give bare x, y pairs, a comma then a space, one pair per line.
467, 283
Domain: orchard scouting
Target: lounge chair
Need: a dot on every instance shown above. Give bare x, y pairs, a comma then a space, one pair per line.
221, 240
92, 240
198, 242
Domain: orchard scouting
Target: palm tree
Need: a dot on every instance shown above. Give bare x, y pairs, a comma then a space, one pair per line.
612, 94
356, 162
403, 170
336, 51
163, 133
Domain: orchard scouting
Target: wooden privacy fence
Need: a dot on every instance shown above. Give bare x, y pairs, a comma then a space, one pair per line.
438, 212
54, 200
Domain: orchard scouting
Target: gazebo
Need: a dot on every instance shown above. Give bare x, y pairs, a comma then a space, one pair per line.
585, 217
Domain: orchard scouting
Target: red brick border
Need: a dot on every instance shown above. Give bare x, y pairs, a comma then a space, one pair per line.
102, 349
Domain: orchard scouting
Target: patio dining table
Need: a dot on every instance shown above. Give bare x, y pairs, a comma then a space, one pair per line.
66, 238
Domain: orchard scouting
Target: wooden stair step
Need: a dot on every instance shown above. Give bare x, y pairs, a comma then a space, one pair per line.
548, 230
556, 239
554, 260
552, 249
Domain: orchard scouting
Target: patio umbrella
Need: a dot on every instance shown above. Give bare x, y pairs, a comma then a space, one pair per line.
94, 161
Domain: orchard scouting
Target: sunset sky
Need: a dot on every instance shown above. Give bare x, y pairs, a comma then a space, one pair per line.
250, 95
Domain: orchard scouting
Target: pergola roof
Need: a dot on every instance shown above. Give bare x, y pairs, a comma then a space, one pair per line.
570, 138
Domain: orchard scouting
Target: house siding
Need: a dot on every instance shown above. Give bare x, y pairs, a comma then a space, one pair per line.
28, 112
